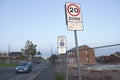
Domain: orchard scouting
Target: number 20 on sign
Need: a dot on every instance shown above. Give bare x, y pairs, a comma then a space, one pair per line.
73, 10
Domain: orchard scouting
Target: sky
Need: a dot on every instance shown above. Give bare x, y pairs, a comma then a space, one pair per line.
42, 21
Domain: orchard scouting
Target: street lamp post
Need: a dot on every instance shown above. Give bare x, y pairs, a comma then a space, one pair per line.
50, 50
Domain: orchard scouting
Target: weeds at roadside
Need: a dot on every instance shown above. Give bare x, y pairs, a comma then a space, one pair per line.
59, 76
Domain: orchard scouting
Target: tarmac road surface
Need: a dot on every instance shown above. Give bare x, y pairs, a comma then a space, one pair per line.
8, 73
47, 74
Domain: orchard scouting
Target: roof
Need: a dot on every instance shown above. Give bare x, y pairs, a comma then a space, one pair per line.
15, 53
83, 47
118, 53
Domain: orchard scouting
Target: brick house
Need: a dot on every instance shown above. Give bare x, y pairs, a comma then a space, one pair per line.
3, 57
15, 54
86, 55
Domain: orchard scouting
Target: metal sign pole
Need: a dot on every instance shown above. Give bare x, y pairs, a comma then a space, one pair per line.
67, 67
74, 22
77, 52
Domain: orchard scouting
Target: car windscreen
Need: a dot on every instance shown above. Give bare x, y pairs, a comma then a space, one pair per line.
23, 64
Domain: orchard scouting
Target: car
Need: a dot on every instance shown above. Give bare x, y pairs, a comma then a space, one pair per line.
24, 67
38, 61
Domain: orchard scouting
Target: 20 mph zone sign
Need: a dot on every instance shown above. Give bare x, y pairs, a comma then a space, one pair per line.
73, 16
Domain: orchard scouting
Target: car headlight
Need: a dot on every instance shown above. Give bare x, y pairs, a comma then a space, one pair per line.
16, 68
25, 68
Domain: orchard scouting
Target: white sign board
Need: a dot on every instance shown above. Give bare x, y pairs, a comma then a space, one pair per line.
73, 16
61, 44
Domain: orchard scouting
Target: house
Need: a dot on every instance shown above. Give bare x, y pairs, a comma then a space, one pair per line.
3, 56
115, 57
15, 55
117, 54
86, 55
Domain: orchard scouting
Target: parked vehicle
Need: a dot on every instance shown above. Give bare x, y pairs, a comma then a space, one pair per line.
24, 67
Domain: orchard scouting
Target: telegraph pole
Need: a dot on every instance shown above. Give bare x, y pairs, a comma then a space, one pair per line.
9, 53
51, 53
8, 48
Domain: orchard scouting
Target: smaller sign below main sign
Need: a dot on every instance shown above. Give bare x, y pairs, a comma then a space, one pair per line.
75, 26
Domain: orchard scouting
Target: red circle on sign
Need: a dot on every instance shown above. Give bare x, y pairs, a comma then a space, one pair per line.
70, 12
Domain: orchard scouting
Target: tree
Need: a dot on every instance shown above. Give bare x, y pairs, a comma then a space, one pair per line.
29, 49
22, 57
39, 53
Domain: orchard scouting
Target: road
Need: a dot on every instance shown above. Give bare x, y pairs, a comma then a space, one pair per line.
8, 73
47, 74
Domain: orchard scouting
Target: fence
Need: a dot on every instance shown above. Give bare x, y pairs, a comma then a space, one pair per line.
107, 66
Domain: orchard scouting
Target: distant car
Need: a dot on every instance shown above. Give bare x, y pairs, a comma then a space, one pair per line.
24, 67
38, 61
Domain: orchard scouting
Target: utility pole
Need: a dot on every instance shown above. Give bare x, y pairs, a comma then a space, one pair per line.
51, 53
9, 53
8, 48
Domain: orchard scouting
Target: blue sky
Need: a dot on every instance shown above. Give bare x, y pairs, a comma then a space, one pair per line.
41, 21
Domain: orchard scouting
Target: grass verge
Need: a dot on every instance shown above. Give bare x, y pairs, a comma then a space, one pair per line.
8, 64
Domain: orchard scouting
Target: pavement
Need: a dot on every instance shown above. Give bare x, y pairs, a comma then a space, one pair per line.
48, 73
